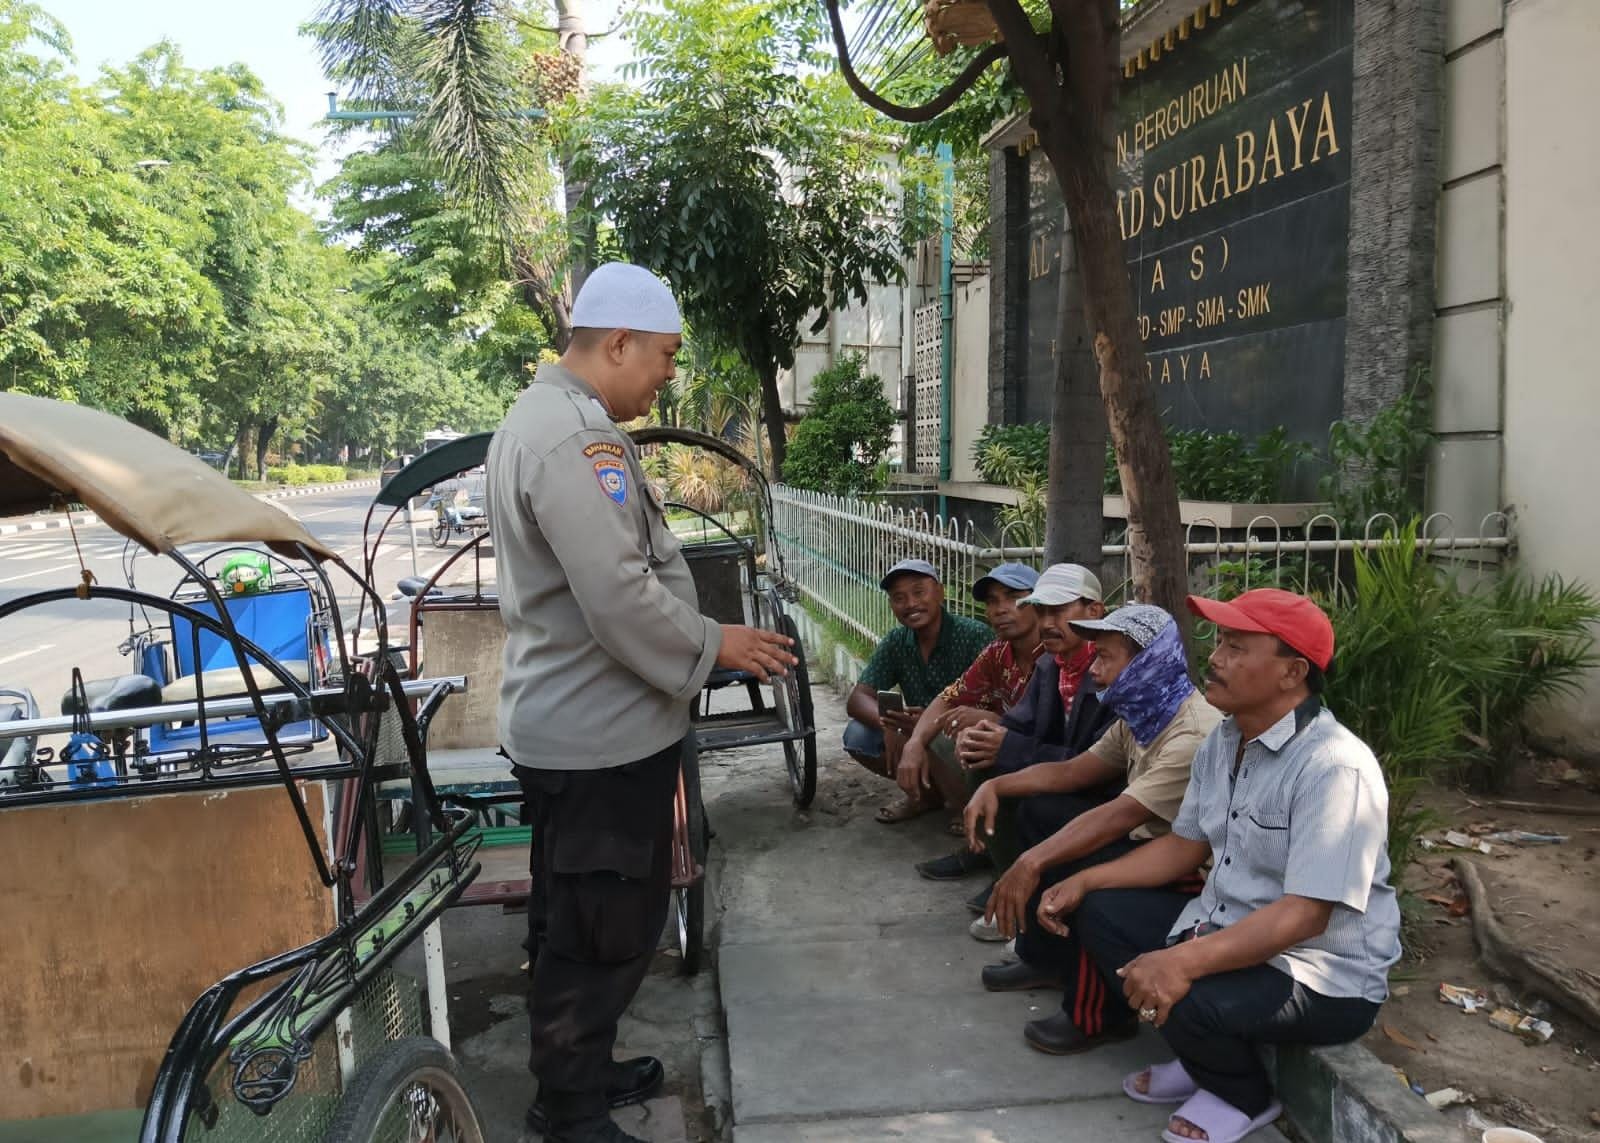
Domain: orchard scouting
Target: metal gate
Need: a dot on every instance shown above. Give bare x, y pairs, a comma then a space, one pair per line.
926, 336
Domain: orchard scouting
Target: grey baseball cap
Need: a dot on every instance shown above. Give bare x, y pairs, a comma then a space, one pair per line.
1141, 622
909, 567
1064, 583
1018, 577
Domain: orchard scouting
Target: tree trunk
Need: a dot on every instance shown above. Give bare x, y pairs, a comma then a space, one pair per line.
772, 413
264, 433
1071, 84
241, 445
1075, 504
540, 295
572, 37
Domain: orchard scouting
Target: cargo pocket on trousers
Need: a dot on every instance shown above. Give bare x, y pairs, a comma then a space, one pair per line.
600, 908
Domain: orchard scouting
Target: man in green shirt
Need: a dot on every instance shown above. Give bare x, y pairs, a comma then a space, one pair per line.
928, 651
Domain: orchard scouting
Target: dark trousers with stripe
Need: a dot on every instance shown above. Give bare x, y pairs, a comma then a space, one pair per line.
1084, 995
1216, 1030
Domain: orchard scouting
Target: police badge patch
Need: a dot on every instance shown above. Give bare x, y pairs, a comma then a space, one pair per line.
613, 478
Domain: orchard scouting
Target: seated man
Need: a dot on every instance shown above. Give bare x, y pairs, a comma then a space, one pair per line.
1143, 674
1059, 716
990, 687
926, 653
1292, 938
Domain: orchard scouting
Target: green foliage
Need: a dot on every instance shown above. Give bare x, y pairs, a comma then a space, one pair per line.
1545, 648
1011, 454
839, 444
1206, 465
754, 184
298, 474
1227, 467
1379, 468
1231, 578
1436, 676
153, 264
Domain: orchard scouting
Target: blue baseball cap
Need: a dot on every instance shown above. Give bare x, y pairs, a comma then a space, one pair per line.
1018, 577
909, 567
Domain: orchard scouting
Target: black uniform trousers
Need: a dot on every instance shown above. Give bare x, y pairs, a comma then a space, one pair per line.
1216, 1029
1084, 995
601, 864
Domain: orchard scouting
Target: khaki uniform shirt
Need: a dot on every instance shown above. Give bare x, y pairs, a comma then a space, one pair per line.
605, 643
1158, 774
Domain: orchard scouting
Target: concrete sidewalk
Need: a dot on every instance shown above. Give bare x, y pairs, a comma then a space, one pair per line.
851, 992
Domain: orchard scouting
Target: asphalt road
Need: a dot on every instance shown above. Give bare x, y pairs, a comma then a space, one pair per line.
40, 645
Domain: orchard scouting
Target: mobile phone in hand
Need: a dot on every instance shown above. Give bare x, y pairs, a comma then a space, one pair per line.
890, 701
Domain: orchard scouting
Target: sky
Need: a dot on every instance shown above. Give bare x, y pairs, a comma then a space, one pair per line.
262, 35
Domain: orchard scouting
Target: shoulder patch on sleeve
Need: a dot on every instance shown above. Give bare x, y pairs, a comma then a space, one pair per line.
611, 448
613, 477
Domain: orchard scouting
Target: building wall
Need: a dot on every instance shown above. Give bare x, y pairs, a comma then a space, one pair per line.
1464, 479
1552, 401
872, 328
969, 398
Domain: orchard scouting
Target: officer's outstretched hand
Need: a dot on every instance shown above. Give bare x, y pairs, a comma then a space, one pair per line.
762, 653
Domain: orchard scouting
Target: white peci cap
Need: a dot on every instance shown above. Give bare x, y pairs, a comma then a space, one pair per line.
620, 295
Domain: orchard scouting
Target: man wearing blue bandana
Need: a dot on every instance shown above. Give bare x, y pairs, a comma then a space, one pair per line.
1142, 670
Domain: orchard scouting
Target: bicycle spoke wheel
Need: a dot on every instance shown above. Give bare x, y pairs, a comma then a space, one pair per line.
410, 1092
799, 755
689, 902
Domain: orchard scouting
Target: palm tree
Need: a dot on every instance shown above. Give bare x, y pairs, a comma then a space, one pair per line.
467, 70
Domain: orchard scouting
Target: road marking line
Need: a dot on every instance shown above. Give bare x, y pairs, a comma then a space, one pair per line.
12, 658
38, 571
29, 551
314, 515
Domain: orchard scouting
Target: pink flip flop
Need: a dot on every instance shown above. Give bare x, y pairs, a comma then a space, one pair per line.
1169, 1083
1221, 1121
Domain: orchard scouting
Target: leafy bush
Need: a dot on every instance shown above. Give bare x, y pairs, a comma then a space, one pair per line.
297, 474
1378, 469
839, 445
1437, 677
1010, 454
1205, 465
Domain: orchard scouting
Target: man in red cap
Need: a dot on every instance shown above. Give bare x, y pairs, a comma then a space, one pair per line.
1292, 938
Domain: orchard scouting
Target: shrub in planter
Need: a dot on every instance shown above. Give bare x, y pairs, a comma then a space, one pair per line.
839, 445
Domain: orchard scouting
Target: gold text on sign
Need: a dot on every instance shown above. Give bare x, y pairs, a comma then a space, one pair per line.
1177, 115
1302, 135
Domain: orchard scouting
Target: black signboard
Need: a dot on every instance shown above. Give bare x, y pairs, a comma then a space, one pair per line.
1234, 198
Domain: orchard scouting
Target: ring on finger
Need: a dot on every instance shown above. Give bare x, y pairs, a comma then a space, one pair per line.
1148, 1015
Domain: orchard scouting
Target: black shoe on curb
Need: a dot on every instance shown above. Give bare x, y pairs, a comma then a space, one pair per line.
954, 866
632, 1081
1017, 976
600, 1129
1058, 1036
979, 901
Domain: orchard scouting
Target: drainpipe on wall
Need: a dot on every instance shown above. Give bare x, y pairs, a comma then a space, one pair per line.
947, 315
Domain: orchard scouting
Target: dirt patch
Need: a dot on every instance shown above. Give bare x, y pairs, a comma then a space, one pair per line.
1545, 895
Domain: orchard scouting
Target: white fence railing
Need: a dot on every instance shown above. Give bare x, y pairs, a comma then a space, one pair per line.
836, 550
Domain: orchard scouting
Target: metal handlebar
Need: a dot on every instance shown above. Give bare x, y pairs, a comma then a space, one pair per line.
211, 708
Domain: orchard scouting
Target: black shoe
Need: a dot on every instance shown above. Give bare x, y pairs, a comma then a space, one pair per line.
1016, 976
980, 901
600, 1129
954, 866
632, 1081
1058, 1036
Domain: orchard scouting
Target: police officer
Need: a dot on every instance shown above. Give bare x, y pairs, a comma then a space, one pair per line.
605, 649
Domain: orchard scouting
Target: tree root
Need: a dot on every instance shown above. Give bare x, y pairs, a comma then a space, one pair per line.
1575, 989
